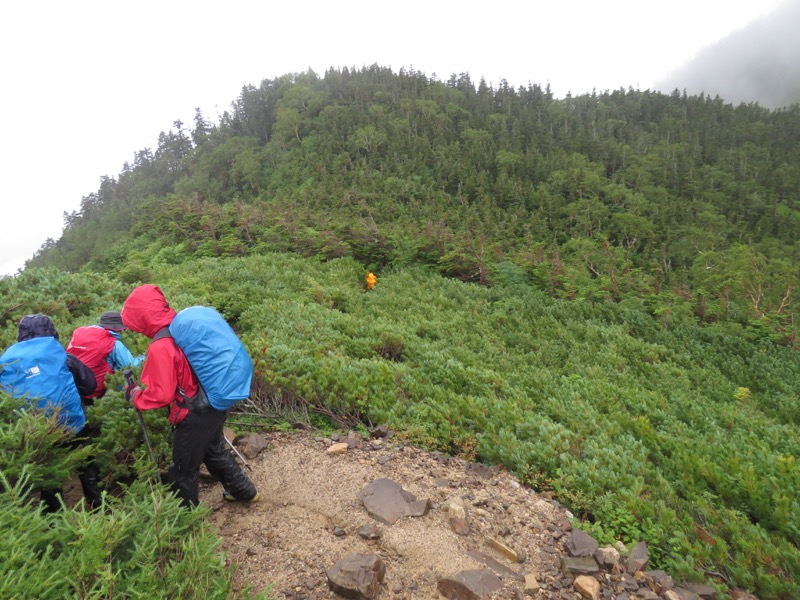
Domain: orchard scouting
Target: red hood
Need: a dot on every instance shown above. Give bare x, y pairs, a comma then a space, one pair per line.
146, 310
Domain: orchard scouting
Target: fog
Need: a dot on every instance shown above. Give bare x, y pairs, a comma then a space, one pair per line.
759, 63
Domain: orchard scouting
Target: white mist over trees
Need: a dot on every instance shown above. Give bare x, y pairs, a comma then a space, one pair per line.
758, 63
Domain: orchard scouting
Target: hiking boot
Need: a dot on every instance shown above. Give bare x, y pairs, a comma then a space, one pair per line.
231, 498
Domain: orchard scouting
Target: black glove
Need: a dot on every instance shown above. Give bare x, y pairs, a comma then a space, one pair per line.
131, 390
130, 384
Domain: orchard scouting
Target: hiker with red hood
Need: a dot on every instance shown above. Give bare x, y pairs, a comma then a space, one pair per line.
167, 380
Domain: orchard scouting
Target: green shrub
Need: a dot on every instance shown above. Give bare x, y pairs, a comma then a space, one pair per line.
637, 426
143, 544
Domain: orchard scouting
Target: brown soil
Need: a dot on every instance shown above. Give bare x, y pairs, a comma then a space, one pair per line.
285, 542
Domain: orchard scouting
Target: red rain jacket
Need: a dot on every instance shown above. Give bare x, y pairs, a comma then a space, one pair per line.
165, 367
92, 345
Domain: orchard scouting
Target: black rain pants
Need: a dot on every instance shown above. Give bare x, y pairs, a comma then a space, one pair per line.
196, 440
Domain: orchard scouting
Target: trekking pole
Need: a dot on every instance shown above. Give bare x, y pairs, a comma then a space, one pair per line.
246, 464
129, 379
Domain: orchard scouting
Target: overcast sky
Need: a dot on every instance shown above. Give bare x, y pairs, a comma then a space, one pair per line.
760, 62
86, 84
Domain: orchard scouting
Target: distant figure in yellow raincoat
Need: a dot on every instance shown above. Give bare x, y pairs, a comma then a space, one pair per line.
371, 280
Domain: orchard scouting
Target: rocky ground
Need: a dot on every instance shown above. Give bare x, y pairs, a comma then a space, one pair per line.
477, 532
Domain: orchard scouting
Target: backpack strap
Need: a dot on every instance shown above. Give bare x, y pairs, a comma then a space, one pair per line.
162, 333
198, 402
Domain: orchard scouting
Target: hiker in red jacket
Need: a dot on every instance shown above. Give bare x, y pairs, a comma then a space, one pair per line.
168, 380
100, 347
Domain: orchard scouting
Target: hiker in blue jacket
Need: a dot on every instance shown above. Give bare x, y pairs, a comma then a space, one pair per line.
38, 369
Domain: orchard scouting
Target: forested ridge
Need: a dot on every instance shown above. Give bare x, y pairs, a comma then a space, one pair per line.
598, 292
684, 205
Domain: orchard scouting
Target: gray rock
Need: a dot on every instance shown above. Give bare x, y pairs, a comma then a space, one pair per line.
638, 558
583, 564
370, 531
659, 581
564, 524
379, 432
386, 501
704, 591
476, 584
579, 543
357, 576
607, 557
459, 525
629, 583
254, 444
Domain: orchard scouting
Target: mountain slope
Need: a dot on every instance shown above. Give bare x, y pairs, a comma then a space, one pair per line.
755, 64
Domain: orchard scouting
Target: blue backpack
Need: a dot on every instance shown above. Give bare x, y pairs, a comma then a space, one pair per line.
215, 353
36, 369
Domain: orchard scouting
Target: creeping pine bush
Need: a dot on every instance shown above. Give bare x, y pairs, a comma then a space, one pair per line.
119, 448
617, 413
31, 446
143, 544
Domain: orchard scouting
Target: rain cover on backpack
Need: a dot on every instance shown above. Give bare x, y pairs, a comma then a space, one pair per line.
216, 354
36, 369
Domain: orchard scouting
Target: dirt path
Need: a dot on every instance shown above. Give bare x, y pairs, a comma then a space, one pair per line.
310, 514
